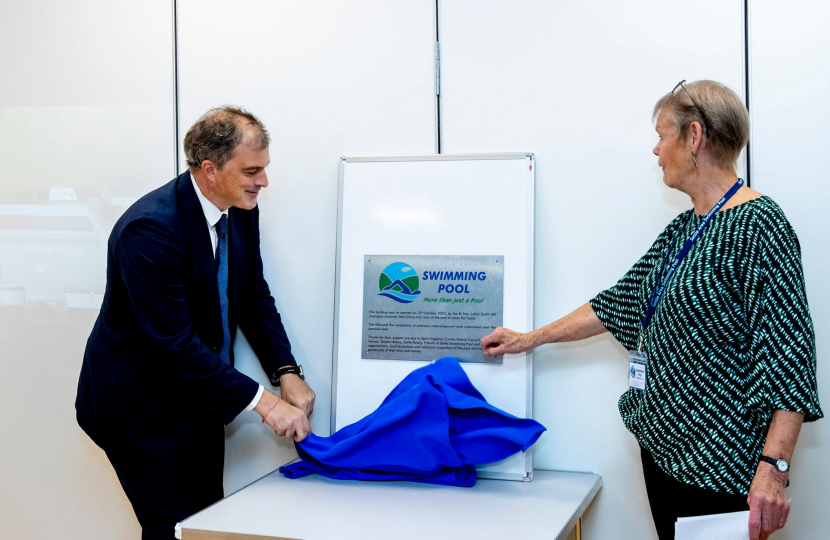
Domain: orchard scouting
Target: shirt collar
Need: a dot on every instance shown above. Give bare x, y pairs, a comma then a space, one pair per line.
212, 214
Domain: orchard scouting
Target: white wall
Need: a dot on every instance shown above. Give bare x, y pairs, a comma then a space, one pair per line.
790, 109
86, 101
575, 83
328, 79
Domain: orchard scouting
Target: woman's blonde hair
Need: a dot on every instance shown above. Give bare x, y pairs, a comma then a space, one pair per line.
728, 121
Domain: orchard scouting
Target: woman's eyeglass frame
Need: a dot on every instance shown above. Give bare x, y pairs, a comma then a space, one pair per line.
682, 84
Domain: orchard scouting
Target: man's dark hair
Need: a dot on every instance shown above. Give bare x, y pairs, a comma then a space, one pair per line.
215, 136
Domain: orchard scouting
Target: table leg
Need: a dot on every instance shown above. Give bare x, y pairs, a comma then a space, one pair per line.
578, 530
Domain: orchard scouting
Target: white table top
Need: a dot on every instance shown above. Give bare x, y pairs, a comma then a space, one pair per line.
317, 508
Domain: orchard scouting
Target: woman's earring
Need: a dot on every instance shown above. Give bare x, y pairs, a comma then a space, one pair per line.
693, 159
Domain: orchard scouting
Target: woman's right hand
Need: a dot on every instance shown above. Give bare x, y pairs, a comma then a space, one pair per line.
505, 341
579, 324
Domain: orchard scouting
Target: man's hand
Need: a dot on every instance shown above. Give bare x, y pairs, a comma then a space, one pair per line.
285, 419
504, 341
295, 391
768, 505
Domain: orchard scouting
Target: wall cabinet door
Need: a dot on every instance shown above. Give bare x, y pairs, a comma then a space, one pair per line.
790, 108
575, 83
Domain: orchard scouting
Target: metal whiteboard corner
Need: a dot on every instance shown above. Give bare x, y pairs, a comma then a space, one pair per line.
493, 475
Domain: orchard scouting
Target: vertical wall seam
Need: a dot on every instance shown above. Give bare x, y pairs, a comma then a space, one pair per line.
437, 74
747, 91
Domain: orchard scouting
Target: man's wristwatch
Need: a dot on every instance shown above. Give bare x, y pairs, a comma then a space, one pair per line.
780, 464
275, 376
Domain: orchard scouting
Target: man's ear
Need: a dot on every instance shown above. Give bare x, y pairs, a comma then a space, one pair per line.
209, 169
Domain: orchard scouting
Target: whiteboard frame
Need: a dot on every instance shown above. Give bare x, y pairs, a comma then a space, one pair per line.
531, 220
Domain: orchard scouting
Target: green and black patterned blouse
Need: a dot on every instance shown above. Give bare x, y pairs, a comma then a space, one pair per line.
730, 342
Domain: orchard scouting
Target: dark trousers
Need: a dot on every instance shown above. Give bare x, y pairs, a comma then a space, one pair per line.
167, 491
670, 499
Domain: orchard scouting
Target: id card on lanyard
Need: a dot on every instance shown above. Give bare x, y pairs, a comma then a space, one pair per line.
637, 369
638, 360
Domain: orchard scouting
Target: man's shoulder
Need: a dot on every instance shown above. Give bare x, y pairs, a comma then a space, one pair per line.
160, 205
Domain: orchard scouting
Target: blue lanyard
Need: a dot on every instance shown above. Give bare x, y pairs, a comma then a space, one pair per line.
661, 282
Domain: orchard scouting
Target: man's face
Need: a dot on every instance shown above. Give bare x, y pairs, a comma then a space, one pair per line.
239, 181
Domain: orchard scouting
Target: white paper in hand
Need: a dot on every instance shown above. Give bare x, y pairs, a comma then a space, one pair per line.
733, 526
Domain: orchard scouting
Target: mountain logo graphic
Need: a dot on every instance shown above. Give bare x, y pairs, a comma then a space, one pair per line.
399, 281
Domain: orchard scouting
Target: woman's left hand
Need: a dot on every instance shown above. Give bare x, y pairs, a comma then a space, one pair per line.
768, 505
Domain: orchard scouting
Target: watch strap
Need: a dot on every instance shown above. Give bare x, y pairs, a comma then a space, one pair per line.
275, 376
771, 461
774, 463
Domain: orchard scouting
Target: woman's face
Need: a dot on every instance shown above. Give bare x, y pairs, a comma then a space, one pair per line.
674, 155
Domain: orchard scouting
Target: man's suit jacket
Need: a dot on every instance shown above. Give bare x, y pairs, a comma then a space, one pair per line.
151, 369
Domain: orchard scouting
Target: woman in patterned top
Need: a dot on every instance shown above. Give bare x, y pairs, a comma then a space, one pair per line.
728, 348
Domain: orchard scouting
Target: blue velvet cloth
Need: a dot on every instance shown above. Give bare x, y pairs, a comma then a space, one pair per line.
434, 427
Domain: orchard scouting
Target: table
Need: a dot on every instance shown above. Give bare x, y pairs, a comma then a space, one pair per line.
317, 508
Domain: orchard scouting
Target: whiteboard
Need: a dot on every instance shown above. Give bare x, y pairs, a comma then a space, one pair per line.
473, 204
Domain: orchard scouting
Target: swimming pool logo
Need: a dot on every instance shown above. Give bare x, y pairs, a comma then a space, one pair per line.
399, 281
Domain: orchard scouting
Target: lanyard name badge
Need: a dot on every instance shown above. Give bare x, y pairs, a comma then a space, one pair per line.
638, 360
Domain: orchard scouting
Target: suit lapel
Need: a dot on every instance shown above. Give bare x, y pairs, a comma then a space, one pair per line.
194, 219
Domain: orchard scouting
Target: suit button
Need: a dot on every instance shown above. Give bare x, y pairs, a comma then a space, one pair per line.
214, 348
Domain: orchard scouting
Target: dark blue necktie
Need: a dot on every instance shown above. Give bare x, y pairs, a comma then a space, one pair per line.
222, 279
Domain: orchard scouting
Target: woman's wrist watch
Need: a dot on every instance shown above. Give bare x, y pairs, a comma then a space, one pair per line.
780, 464
275, 377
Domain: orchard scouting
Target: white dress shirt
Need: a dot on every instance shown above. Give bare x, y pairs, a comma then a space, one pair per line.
212, 217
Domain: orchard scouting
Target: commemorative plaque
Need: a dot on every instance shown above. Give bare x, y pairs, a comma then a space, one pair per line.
424, 307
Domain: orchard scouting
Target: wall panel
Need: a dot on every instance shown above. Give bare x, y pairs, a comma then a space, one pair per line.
86, 125
328, 79
790, 108
575, 83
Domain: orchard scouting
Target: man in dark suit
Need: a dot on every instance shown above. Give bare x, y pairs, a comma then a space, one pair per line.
183, 270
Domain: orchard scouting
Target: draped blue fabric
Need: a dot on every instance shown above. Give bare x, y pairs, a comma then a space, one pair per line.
434, 427
222, 278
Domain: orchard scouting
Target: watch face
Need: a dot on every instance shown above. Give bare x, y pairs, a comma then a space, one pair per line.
783, 465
